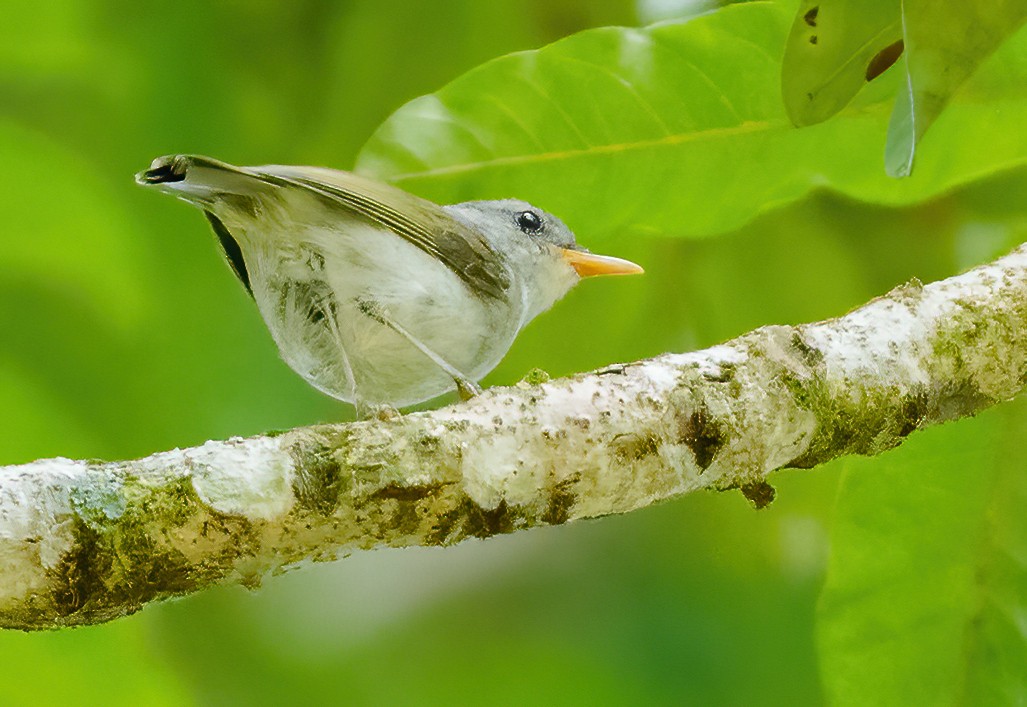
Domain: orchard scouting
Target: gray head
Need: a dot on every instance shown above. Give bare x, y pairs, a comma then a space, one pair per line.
541, 251
512, 221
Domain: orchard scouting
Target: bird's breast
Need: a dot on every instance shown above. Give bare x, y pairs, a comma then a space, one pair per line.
313, 291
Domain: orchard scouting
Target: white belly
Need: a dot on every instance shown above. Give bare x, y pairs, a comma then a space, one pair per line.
311, 290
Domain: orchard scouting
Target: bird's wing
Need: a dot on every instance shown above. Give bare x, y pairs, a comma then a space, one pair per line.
420, 222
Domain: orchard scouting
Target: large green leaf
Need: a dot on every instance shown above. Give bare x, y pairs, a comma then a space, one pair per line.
927, 580
678, 128
945, 43
836, 47
365, 83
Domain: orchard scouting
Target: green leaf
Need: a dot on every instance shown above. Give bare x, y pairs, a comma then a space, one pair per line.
679, 129
456, 35
927, 580
945, 43
591, 127
836, 47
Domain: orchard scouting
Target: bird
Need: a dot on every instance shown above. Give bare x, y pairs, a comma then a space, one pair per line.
373, 295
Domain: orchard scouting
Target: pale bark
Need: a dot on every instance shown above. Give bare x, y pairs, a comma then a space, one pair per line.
83, 542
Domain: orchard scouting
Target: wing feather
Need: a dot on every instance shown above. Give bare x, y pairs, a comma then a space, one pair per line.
418, 221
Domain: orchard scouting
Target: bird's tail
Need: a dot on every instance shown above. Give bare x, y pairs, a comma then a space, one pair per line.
201, 180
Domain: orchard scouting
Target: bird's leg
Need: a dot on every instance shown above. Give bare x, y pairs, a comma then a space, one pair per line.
466, 388
347, 368
325, 307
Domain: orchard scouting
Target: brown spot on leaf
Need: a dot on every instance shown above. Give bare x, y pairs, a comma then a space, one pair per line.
810, 17
813, 39
883, 59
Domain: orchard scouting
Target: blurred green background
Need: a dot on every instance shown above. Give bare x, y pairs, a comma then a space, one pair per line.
122, 333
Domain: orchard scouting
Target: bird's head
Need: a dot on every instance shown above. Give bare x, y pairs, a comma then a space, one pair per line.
541, 250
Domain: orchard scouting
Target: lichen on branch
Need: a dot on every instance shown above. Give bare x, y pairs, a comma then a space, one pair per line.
85, 542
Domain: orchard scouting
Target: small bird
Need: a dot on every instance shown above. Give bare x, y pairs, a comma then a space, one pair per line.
375, 296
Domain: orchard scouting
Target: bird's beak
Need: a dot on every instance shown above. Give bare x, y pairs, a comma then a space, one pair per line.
589, 264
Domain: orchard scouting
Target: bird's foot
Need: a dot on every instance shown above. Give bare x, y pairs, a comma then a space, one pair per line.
467, 388
379, 412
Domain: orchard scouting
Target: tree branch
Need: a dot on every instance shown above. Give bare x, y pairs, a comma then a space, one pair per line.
84, 542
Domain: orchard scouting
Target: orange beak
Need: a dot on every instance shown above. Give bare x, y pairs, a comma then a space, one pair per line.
589, 264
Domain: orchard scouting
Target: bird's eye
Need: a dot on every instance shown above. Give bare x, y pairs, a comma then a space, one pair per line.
529, 222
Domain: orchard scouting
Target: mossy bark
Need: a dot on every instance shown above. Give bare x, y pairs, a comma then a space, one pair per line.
85, 542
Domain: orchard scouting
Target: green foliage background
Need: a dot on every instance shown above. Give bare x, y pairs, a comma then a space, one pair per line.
893, 580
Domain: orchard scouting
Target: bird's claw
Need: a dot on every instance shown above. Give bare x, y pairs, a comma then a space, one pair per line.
467, 389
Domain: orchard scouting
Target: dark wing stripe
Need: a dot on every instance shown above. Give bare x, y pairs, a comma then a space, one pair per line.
475, 273
390, 218
232, 251
482, 274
